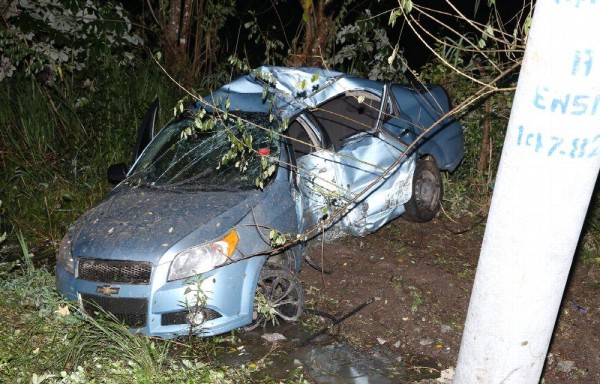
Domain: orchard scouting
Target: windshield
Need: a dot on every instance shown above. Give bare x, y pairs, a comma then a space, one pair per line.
211, 152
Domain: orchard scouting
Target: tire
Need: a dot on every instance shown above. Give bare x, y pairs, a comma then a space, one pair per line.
279, 290
427, 192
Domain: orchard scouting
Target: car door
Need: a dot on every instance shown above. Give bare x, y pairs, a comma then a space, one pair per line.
357, 183
146, 131
118, 172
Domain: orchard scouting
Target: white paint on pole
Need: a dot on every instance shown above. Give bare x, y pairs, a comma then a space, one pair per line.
546, 178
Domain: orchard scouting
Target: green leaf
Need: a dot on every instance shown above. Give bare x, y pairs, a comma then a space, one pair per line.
301, 84
394, 15
527, 25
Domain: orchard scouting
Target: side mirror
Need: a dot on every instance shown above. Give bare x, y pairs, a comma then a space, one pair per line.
116, 173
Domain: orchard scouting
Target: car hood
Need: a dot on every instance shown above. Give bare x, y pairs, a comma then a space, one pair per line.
143, 224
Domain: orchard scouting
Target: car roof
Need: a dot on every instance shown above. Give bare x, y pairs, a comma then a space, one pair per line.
283, 91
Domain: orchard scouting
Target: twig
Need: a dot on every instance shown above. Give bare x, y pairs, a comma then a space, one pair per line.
322, 257
336, 322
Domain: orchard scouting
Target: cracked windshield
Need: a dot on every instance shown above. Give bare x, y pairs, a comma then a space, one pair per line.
211, 152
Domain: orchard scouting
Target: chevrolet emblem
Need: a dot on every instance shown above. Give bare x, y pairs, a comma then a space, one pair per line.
107, 290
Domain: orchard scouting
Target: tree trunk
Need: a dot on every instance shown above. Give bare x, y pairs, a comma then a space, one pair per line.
176, 37
318, 29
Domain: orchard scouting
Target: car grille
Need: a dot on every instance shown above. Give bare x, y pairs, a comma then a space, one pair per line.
176, 318
115, 271
131, 312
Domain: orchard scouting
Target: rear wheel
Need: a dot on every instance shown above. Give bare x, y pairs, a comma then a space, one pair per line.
279, 296
426, 197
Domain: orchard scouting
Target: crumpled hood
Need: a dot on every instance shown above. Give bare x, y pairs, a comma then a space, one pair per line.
293, 89
142, 224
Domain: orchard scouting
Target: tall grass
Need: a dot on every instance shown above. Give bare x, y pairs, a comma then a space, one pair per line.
58, 141
148, 357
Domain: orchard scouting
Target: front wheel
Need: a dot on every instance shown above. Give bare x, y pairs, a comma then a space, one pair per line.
279, 296
426, 197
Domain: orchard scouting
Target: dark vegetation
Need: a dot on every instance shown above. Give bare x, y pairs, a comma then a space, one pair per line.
73, 94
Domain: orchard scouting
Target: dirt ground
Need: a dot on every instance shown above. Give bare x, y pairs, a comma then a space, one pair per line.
421, 275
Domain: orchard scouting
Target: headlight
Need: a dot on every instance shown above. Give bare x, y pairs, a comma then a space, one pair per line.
203, 258
65, 258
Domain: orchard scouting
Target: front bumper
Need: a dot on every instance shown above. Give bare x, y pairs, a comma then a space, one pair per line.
159, 307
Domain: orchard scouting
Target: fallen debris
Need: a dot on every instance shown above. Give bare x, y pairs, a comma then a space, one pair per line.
565, 366
273, 337
336, 322
446, 376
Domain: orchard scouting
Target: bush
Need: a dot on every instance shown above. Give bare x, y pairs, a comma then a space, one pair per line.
363, 48
50, 38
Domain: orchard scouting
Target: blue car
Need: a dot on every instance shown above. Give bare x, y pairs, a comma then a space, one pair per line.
208, 229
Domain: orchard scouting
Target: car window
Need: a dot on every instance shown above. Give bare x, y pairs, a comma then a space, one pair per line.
303, 138
213, 153
349, 114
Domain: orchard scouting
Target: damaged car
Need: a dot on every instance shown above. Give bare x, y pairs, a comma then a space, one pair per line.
206, 231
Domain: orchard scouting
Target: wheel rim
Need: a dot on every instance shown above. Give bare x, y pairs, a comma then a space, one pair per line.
279, 296
427, 191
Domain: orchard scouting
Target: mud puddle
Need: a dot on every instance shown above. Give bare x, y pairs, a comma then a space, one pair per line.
325, 360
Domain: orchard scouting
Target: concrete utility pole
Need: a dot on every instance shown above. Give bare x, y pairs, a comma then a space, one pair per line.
546, 177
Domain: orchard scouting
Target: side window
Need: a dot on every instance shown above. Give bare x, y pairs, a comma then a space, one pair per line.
347, 115
303, 137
